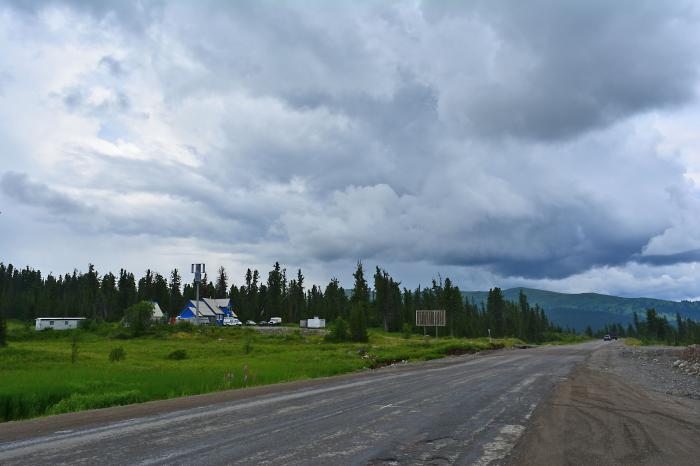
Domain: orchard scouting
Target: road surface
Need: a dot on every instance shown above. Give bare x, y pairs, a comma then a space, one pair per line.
460, 410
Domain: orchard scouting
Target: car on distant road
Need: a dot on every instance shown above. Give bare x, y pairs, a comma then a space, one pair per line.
232, 321
607, 338
275, 321
250, 322
263, 322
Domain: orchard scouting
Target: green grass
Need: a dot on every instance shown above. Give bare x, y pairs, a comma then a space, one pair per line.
37, 377
632, 342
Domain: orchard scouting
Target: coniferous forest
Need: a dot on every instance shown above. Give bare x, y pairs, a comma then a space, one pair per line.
26, 294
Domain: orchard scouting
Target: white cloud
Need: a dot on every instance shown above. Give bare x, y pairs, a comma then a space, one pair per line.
550, 146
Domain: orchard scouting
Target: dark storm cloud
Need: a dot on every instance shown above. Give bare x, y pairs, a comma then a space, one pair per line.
577, 65
19, 187
506, 136
668, 259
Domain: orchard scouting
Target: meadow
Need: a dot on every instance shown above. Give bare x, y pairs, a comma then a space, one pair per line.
53, 372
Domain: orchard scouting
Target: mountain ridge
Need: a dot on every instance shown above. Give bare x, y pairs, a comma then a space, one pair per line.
578, 310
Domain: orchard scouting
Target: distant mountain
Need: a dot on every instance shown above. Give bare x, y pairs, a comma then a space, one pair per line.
596, 310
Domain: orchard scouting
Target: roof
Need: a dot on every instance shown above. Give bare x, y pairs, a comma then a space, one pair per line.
60, 318
204, 309
221, 302
214, 306
157, 312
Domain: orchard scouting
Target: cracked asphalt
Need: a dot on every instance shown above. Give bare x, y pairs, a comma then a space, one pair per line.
458, 410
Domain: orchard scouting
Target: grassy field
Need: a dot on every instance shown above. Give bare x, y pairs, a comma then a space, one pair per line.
38, 377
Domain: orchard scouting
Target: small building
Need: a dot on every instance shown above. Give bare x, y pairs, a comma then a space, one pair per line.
58, 323
313, 323
213, 310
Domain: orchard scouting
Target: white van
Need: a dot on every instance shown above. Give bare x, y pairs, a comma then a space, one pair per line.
275, 321
232, 321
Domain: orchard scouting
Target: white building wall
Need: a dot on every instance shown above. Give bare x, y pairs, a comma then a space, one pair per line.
57, 323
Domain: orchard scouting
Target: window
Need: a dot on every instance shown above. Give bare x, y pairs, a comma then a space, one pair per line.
51, 322
66, 322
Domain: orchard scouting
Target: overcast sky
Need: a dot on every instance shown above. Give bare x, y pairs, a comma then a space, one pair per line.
549, 144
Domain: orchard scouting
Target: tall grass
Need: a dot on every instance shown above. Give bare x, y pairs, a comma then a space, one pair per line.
38, 377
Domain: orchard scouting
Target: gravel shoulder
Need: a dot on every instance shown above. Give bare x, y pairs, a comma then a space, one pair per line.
623, 406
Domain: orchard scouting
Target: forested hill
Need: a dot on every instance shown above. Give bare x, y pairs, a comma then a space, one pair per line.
596, 310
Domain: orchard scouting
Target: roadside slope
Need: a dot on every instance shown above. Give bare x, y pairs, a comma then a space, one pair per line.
600, 417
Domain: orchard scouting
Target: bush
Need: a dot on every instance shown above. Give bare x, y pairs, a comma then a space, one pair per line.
117, 354
178, 355
407, 330
339, 331
89, 325
138, 317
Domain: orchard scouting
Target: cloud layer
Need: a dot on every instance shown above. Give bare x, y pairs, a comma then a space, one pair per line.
502, 143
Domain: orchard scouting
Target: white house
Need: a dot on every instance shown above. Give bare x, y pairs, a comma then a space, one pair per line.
58, 323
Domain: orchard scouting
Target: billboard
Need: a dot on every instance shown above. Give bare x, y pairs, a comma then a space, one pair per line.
431, 318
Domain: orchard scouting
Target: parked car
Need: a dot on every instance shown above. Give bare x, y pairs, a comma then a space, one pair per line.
607, 338
232, 321
250, 322
275, 321
262, 322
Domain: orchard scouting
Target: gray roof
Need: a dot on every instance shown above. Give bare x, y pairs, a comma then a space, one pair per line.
214, 306
204, 309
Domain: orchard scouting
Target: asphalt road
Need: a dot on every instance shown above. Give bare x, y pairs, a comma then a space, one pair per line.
461, 410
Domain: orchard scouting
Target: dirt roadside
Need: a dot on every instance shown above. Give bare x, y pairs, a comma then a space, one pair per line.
613, 411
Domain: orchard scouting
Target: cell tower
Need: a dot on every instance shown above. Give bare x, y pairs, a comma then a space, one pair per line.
198, 270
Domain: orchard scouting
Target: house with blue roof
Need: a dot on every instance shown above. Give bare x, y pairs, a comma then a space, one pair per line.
211, 311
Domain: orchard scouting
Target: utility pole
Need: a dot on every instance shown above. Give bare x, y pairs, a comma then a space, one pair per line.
198, 270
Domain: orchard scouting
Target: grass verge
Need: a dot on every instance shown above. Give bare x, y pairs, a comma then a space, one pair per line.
38, 377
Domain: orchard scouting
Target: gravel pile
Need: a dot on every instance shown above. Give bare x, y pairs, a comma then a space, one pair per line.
665, 369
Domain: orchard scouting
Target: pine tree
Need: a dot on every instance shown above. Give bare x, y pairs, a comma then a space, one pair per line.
360, 292
495, 306
176, 300
358, 323
273, 301
221, 284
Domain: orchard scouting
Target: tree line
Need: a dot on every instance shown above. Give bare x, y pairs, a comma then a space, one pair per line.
26, 294
653, 327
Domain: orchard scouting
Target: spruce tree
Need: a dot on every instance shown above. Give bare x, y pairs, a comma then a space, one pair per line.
176, 300
358, 324
221, 286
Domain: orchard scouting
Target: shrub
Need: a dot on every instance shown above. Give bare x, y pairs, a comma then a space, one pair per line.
138, 317
178, 355
89, 325
407, 330
338, 332
117, 354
